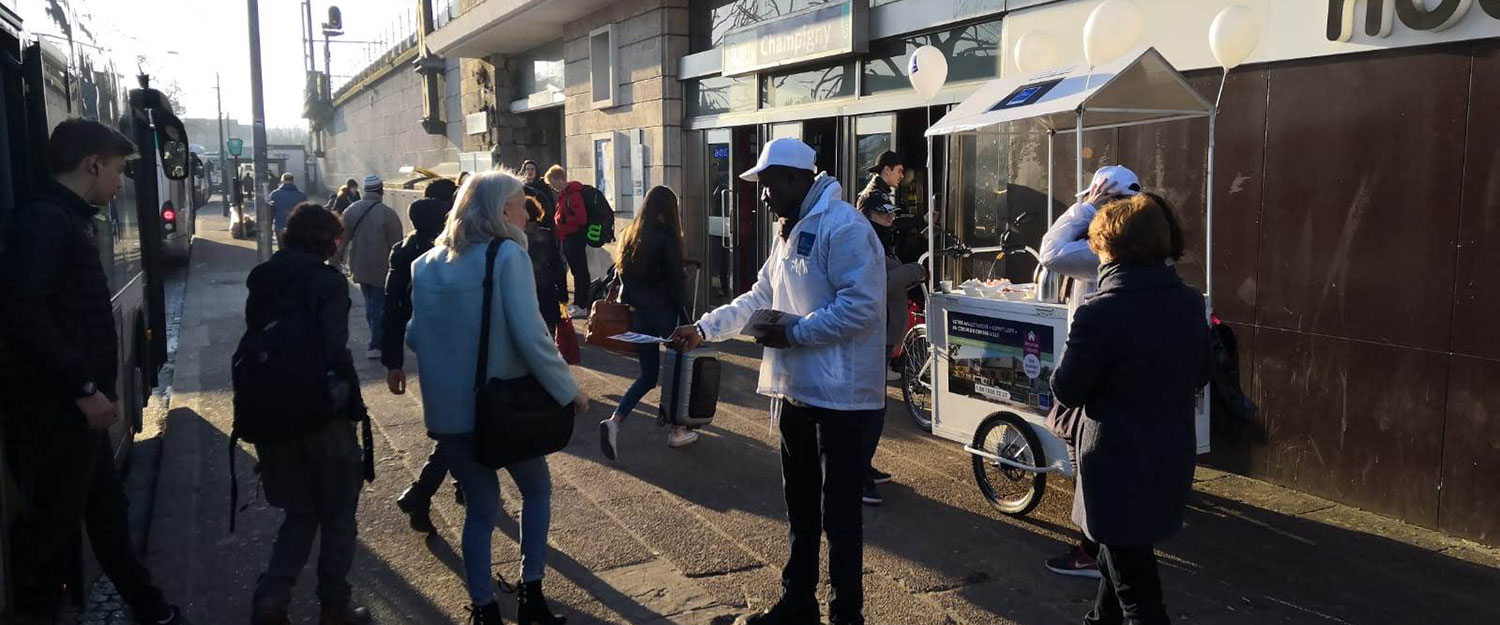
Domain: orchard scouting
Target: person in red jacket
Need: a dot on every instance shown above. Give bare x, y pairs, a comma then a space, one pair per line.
572, 221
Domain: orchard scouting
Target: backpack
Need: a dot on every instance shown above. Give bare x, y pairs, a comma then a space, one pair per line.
283, 387
1232, 411
601, 216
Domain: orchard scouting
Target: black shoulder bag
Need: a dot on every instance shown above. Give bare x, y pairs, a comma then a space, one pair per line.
515, 419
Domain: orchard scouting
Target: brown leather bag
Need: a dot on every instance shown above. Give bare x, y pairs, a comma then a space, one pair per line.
609, 317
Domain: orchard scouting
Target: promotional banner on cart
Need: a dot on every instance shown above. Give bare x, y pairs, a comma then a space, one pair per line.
1000, 360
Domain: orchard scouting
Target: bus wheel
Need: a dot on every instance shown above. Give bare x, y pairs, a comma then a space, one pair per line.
1012, 491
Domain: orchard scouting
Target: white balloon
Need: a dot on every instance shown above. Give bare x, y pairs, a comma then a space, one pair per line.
1035, 51
1233, 35
928, 70
1112, 30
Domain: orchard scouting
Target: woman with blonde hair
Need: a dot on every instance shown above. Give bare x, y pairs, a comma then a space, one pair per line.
447, 297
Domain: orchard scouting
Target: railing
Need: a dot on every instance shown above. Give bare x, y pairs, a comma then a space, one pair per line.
375, 52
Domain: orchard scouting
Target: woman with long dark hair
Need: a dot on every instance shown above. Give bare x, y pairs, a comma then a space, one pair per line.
651, 268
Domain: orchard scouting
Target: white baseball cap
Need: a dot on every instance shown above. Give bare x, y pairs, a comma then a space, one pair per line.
785, 152
1126, 182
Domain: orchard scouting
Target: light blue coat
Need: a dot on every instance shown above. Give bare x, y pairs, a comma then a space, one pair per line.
444, 332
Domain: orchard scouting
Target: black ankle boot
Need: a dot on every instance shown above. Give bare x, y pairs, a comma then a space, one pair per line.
531, 606
487, 614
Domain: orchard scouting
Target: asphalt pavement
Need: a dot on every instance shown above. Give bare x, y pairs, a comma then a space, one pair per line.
697, 535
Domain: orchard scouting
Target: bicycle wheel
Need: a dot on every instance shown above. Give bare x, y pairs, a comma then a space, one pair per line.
916, 376
1013, 491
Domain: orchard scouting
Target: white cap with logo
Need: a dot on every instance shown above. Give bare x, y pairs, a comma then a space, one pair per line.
785, 152
1125, 181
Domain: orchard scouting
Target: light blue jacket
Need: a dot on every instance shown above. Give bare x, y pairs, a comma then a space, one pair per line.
444, 332
830, 271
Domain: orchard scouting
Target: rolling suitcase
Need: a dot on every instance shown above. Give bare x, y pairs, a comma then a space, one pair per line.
690, 384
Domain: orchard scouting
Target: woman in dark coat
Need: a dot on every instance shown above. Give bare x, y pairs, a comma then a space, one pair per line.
1137, 354
652, 271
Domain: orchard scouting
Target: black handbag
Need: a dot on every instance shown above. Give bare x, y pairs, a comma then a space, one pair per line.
515, 419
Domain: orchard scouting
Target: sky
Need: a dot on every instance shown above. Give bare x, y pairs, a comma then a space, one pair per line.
188, 41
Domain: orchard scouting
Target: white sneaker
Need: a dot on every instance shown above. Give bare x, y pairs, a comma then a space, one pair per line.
373, 354
609, 435
577, 313
681, 437
892, 376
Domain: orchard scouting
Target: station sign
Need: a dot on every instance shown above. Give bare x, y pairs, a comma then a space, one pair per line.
821, 32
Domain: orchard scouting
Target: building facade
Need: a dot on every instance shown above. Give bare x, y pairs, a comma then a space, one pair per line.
1357, 196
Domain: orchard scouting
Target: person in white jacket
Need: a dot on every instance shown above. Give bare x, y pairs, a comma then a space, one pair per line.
1065, 250
824, 372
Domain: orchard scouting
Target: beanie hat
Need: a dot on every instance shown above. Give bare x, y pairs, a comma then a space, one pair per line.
374, 183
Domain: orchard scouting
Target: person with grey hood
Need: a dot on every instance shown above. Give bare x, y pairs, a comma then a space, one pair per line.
428, 216
371, 229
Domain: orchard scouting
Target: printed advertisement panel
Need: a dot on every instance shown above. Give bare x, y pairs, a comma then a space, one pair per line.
1001, 361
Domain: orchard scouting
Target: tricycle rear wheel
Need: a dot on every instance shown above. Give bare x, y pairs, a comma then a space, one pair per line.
1012, 491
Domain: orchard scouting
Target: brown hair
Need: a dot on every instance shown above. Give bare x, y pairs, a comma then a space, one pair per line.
313, 229
1133, 230
75, 139
659, 211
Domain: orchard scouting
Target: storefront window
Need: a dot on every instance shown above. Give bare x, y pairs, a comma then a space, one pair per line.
712, 96
972, 53
808, 86
540, 69
712, 19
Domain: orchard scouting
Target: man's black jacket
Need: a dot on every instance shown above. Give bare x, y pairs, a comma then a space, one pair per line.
55, 312
427, 217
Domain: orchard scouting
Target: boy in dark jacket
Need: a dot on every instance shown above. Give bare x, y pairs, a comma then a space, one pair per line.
314, 478
547, 264
58, 390
428, 216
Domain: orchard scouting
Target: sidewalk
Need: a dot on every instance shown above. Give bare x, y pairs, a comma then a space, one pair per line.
697, 535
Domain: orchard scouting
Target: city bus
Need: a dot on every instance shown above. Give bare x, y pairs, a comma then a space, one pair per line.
46, 79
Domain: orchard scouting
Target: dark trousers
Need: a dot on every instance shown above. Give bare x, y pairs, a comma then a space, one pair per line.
575, 250
316, 481
67, 481
872, 431
430, 478
823, 465
1130, 592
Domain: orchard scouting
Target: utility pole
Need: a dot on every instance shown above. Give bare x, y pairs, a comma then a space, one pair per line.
263, 221
223, 160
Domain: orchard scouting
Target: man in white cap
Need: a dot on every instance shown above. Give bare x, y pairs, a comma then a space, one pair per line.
371, 229
1065, 250
823, 369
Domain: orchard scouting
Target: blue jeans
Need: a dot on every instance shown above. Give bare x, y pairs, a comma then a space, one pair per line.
481, 487
374, 311
656, 322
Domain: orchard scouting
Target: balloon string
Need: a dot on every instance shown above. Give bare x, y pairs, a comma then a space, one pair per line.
1223, 79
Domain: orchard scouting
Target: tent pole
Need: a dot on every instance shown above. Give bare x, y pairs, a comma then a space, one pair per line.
1208, 201
931, 223
1050, 211
1078, 155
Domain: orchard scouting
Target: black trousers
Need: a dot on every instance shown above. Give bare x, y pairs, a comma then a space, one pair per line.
430, 478
823, 466
68, 482
1130, 592
575, 251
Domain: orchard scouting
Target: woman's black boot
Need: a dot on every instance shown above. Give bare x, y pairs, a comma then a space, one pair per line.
531, 608
487, 614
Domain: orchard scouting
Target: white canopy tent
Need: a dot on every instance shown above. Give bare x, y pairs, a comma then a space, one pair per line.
1136, 89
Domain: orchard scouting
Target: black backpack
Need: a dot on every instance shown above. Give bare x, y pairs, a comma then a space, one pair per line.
283, 386
601, 228
1233, 412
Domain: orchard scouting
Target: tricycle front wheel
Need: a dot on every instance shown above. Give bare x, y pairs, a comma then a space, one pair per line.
1013, 491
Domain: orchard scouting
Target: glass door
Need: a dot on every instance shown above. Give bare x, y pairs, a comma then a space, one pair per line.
733, 254
873, 134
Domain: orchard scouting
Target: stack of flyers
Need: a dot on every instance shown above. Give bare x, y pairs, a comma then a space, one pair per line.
764, 318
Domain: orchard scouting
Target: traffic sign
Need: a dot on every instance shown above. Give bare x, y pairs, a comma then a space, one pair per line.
236, 147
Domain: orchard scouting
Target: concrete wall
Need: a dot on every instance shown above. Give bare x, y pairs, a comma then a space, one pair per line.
377, 128
650, 37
